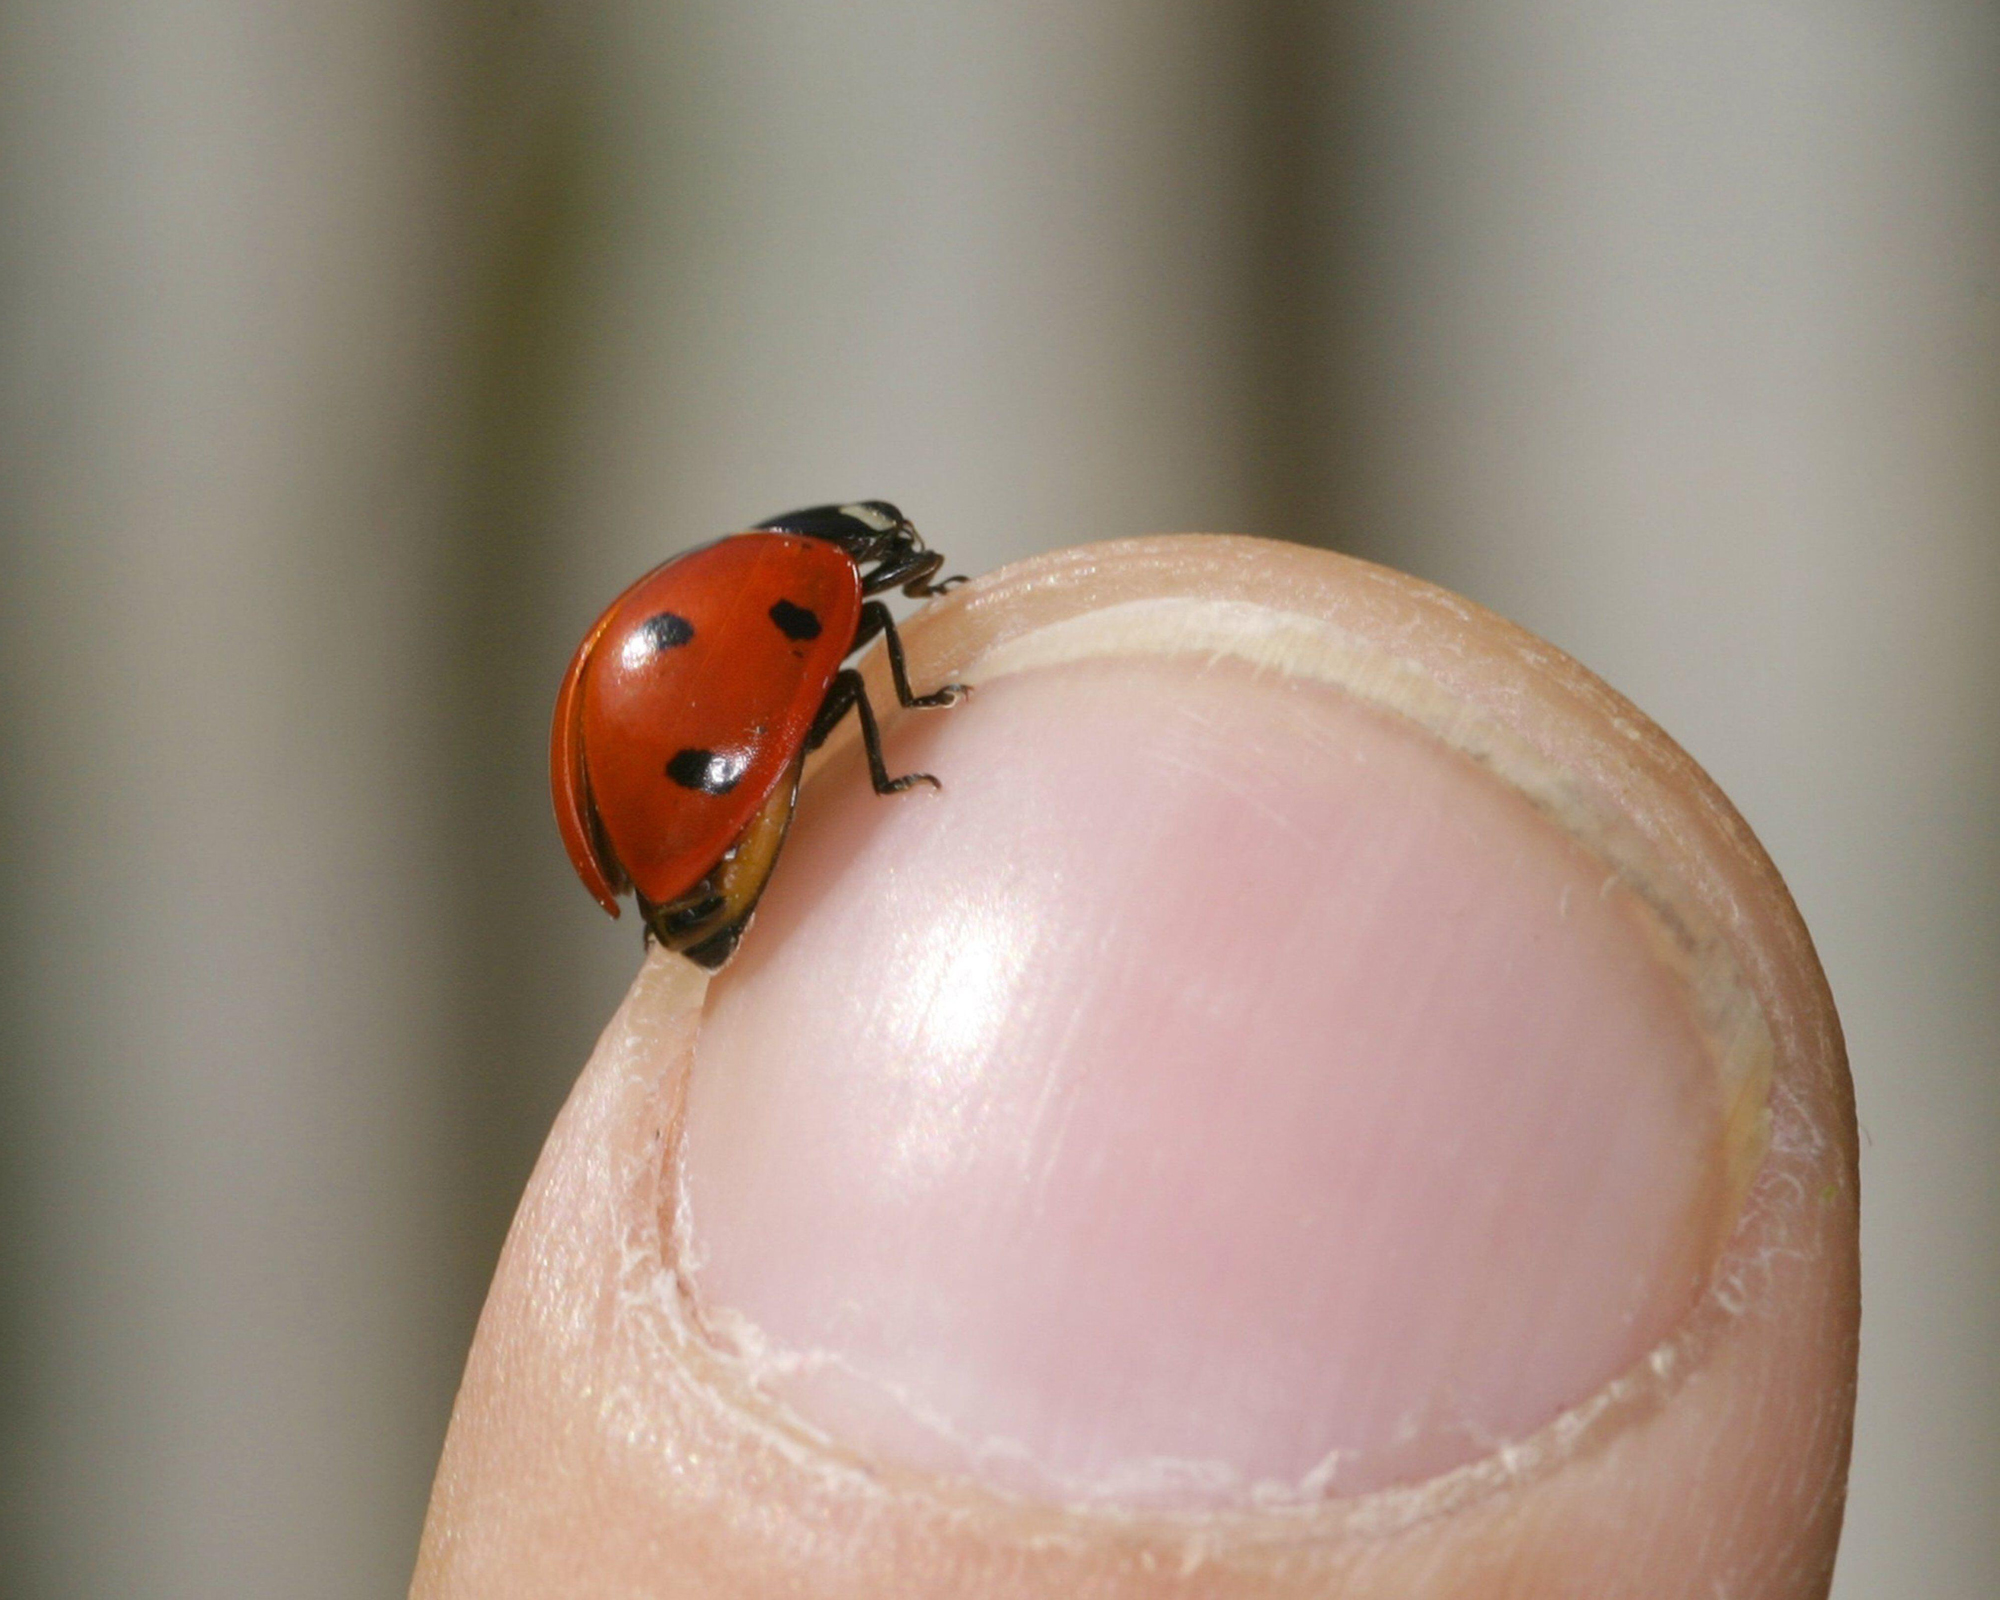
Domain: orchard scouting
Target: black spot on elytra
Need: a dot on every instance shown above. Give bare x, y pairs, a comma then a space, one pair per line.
707, 771
795, 622
666, 630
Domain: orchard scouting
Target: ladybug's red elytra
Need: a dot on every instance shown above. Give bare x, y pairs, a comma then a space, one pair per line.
688, 711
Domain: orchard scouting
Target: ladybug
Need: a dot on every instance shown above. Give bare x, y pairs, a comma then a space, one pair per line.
688, 711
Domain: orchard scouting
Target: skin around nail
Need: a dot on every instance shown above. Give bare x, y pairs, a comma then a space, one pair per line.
1439, 1183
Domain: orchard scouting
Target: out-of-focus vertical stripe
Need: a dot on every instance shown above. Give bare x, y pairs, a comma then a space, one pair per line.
996, 263
233, 411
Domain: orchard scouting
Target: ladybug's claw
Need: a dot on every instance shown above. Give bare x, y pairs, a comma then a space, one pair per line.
850, 693
875, 619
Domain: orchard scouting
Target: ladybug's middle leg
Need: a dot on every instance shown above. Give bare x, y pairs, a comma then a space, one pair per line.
849, 691
875, 619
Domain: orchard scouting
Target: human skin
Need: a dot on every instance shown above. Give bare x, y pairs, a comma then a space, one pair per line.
1328, 1100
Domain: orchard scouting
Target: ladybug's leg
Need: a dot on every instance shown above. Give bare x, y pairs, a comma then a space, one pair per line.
909, 570
875, 619
848, 691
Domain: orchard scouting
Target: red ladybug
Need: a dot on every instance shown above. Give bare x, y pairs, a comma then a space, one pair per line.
688, 710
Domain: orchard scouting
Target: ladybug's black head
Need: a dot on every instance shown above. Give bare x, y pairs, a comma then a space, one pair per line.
868, 530
877, 537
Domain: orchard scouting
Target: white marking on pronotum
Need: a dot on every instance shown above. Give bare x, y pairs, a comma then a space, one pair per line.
869, 515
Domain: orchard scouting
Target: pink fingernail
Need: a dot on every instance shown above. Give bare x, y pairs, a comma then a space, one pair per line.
1220, 1089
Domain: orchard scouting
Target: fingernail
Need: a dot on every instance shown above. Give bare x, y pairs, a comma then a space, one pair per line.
1221, 1089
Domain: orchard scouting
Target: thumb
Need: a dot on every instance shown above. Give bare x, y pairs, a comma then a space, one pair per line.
1326, 1100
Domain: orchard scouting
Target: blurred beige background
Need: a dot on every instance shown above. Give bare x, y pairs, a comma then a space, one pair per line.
353, 352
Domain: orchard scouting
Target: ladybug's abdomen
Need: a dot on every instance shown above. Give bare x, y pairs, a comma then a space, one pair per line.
700, 691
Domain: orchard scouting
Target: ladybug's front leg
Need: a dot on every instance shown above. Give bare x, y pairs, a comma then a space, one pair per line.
849, 691
875, 619
911, 571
